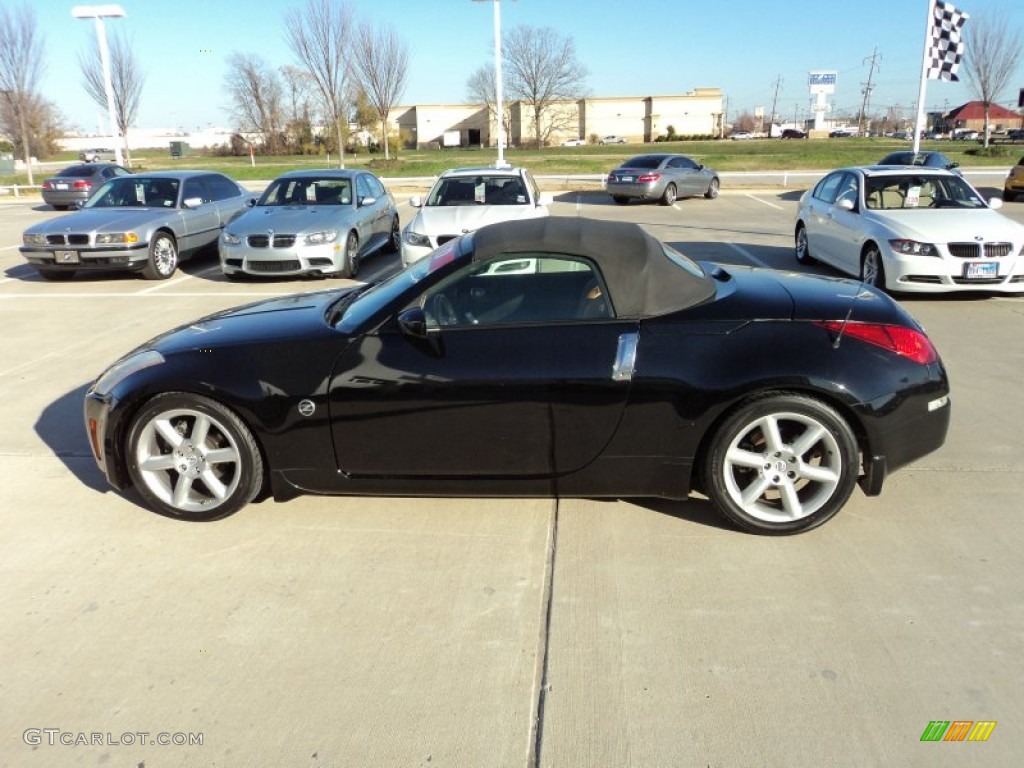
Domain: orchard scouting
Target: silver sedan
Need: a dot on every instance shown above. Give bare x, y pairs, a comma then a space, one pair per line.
312, 222
661, 177
142, 222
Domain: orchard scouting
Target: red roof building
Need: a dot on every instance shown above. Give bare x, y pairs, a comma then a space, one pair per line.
972, 116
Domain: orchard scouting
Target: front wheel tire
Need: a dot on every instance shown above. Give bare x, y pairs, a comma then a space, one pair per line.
163, 257
803, 248
351, 266
781, 464
713, 188
872, 271
191, 457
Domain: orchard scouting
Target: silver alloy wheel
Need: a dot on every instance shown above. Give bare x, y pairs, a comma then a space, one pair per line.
778, 479
351, 255
163, 258
188, 459
803, 254
871, 269
669, 196
712, 192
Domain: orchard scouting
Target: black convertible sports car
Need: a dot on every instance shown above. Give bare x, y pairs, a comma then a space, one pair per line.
557, 356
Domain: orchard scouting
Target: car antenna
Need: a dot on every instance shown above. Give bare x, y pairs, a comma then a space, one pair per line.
842, 328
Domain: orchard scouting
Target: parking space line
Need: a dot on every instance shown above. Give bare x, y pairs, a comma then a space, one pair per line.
765, 202
747, 255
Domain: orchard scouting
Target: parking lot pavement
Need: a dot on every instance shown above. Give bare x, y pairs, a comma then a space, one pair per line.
439, 632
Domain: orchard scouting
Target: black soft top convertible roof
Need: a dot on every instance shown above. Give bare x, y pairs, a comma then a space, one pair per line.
642, 280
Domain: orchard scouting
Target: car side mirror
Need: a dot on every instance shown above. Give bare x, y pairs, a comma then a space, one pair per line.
416, 201
546, 198
367, 201
413, 323
250, 203
846, 204
192, 202
995, 203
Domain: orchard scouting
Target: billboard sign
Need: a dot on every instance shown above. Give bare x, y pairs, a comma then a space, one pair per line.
822, 81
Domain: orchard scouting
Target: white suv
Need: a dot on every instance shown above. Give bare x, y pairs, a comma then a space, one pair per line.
465, 199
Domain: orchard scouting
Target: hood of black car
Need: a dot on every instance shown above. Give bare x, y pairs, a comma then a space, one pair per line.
300, 316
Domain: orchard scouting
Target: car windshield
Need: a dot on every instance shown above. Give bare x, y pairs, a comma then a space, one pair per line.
136, 192
366, 305
912, 191
308, 190
643, 161
77, 170
479, 190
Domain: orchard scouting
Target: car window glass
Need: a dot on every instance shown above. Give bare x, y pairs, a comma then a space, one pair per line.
221, 187
363, 189
76, 170
517, 288
331, 191
848, 189
643, 161
828, 188
376, 188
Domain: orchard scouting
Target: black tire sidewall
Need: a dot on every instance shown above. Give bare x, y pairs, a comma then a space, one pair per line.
713, 469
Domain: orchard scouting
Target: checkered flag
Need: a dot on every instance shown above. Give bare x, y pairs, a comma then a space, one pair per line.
946, 46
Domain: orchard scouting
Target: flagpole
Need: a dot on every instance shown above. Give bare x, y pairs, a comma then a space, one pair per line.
919, 121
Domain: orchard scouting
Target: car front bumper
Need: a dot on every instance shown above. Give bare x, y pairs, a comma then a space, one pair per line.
947, 274
78, 257
327, 258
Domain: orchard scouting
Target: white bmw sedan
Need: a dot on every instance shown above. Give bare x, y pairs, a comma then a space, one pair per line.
910, 229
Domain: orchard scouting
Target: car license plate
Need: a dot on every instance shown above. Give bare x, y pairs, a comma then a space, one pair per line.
625, 178
62, 186
65, 257
981, 269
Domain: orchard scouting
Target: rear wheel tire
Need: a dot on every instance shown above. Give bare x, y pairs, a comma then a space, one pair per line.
394, 242
163, 257
781, 463
668, 197
190, 457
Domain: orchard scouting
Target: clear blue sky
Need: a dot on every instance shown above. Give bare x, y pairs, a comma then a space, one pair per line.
630, 48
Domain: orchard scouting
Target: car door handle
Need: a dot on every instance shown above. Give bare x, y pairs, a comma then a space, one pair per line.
625, 358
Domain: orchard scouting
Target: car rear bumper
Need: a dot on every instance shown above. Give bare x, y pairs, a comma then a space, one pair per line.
635, 191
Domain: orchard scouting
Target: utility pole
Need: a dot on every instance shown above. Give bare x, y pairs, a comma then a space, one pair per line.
867, 89
775, 98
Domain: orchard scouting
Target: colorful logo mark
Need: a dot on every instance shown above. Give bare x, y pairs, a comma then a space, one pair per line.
958, 730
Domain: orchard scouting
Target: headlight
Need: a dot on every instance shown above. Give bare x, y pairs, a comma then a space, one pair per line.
318, 238
33, 239
913, 248
415, 238
121, 370
231, 239
116, 238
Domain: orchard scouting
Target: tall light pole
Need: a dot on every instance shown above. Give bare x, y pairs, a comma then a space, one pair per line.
500, 163
100, 12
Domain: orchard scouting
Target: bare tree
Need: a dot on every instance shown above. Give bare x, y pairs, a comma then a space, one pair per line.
482, 89
992, 53
299, 88
381, 66
256, 98
126, 77
542, 70
320, 34
21, 57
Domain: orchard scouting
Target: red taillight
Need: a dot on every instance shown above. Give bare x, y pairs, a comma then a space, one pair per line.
646, 178
82, 185
47, 185
898, 339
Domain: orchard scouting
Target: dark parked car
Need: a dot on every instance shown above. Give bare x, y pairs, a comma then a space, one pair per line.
793, 133
72, 186
927, 159
661, 177
553, 356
